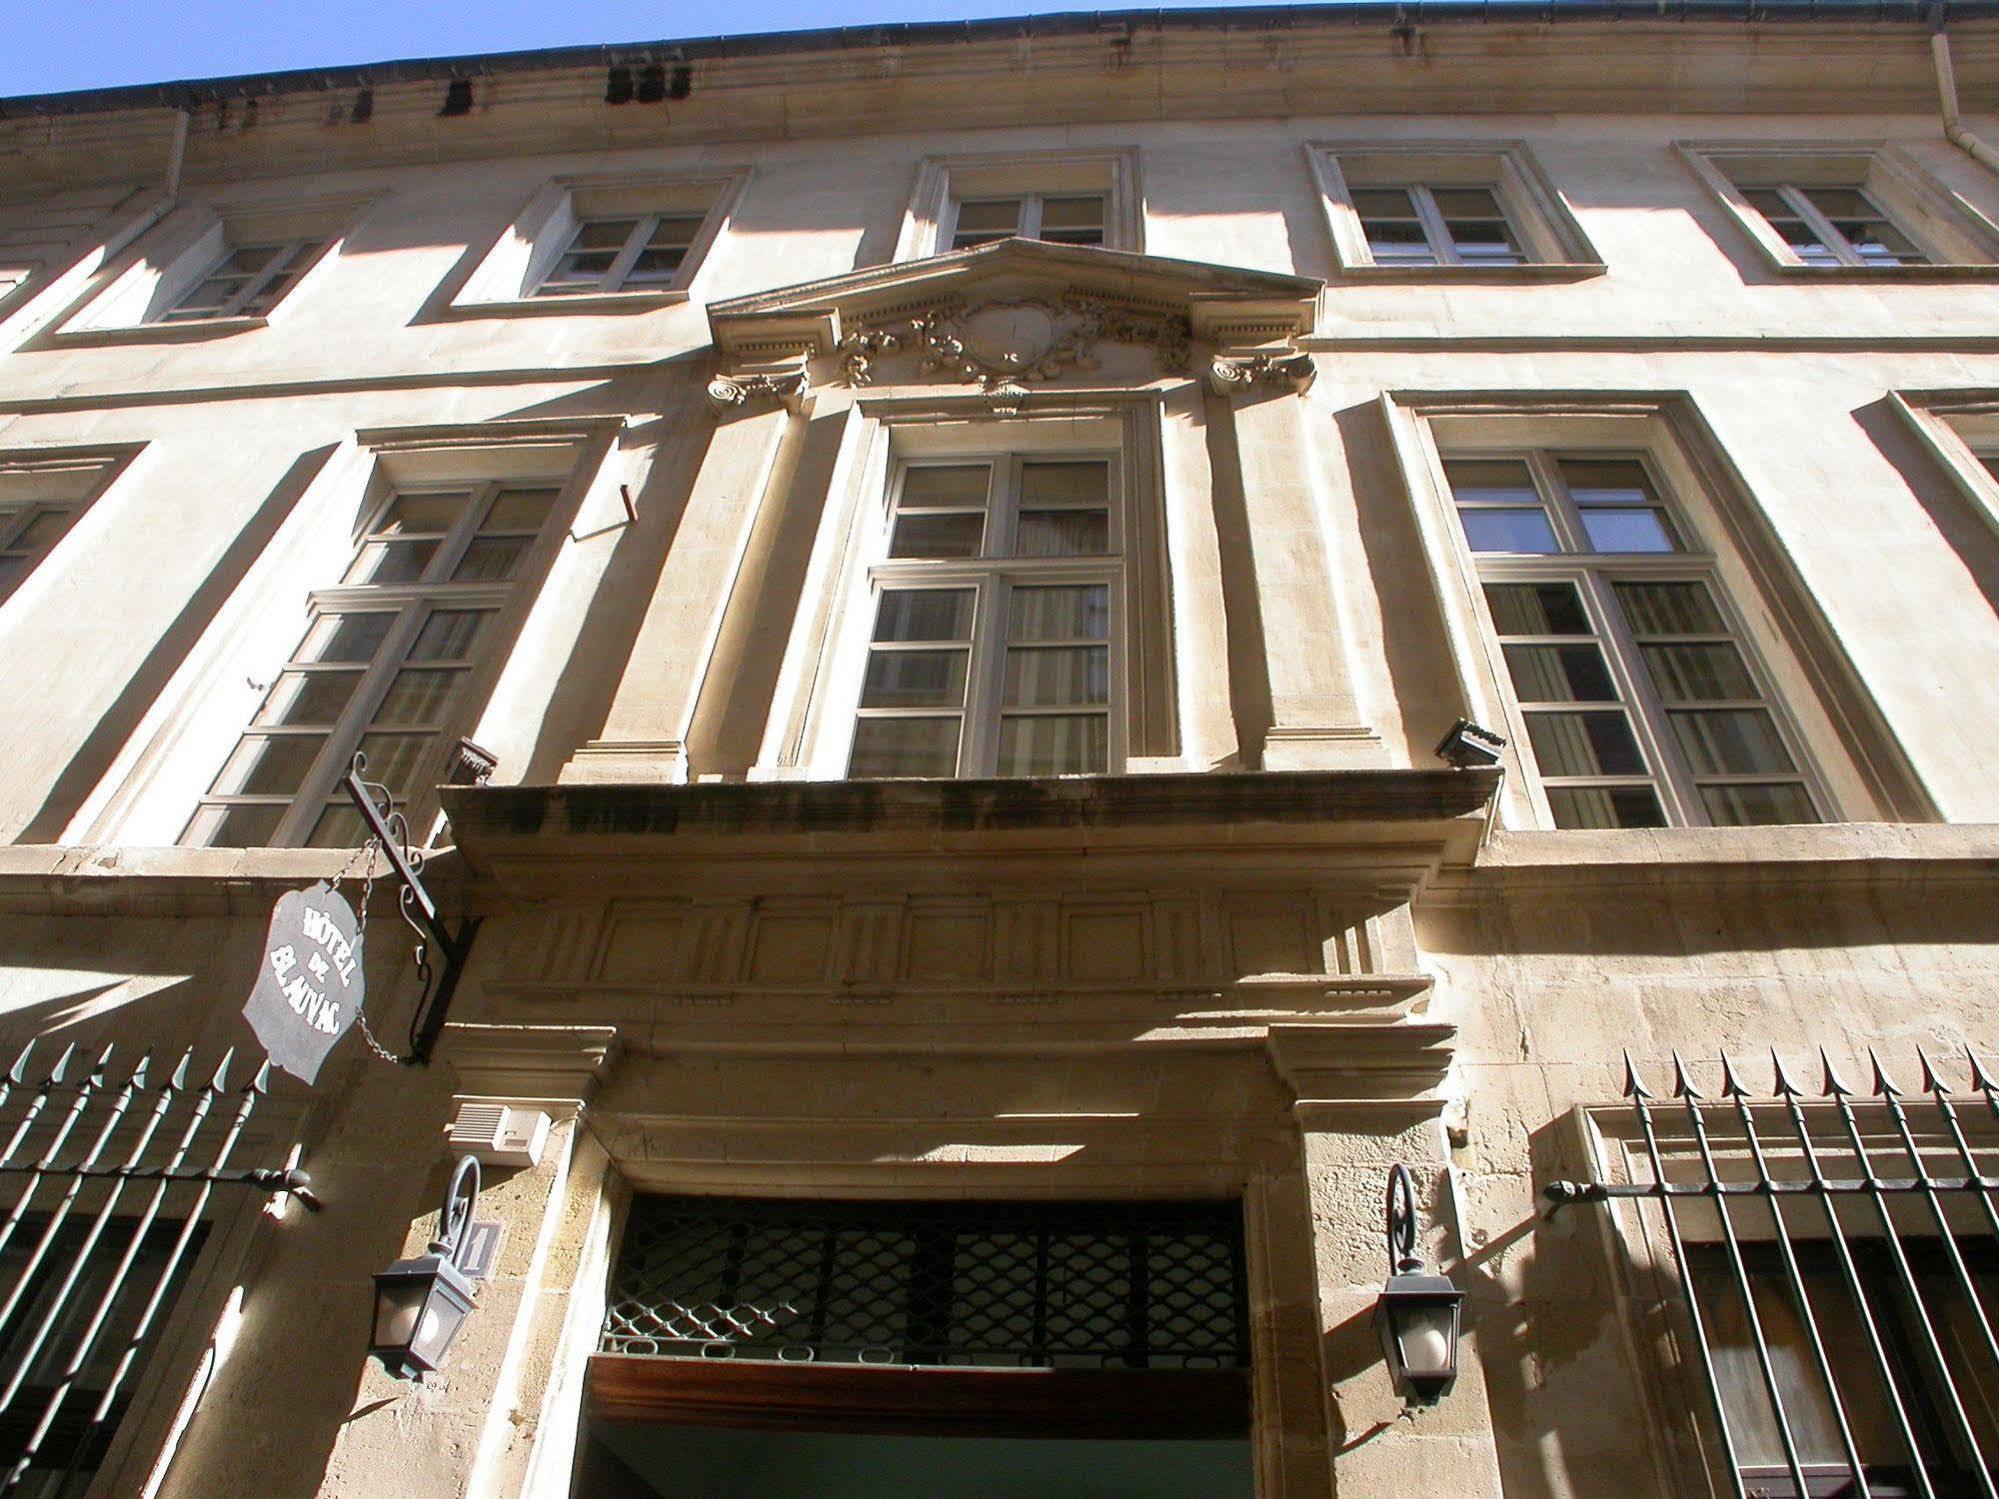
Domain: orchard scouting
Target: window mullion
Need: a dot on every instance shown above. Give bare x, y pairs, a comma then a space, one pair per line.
984, 677
1562, 512
1841, 247
1029, 226
1648, 712
613, 278
1435, 228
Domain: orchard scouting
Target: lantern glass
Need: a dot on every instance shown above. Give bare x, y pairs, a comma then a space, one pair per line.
419, 1306
1417, 1317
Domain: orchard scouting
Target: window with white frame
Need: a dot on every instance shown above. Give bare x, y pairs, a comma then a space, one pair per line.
245, 281
641, 252
1443, 207
1865, 209
383, 666
1058, 218
997, 638
1642, 703
622, 238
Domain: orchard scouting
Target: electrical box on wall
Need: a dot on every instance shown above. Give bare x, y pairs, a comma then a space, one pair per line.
498, 1135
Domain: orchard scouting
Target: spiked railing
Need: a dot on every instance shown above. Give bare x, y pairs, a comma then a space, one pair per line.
101, 1169
1924, 1397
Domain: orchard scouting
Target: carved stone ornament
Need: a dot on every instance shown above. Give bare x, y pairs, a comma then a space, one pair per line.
732, 389
1231, 374
1003, 344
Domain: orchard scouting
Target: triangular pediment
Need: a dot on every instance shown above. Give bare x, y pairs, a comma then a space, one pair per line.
1221, 306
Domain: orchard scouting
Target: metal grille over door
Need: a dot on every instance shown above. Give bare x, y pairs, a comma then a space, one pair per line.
1839, 1258
1015, 1285
105, 1179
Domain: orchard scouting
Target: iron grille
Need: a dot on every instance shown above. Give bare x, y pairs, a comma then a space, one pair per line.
108, 1177
1033, 1285
1840, 1276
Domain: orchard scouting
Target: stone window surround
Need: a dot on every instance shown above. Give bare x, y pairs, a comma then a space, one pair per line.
1958, 429
74, 478
812, 725
504, 281
942, 180
172, 757
1853, 762
175, 256
1961, 240
1549, 233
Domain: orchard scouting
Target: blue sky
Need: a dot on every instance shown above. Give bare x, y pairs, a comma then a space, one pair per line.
53, 46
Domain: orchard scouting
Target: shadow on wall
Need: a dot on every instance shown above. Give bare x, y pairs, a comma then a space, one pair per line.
93, 758
1955, 515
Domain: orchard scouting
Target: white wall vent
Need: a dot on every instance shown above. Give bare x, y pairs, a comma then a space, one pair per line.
498, 1135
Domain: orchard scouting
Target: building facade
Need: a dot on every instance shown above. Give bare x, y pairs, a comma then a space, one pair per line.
908, 584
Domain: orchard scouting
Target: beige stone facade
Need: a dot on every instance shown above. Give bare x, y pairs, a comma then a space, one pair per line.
1348, 418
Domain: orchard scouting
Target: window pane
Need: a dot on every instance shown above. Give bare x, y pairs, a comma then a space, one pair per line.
491, 559
346, 637
1605, 807
1758, 806
905, 747
1584, 744
449, 634
1698, 673
518, 510
1730, 741
603, 234
915, 679
1065, 744
44, 529
1607, 481
418, 697
1628, 531
1559, 673
392, 562
1067, 613
1001, 215
1073, 221
1061, 677
233, 827
675, 229
959, 535
273, 767
1043, 484
1509, 531
1383, 202
954, 486
1396, 243
1490, 481
656, 265
1537, 609
1670, 609
393, 759
925, 614
339, 826
308, 698
1063, 533
424, 513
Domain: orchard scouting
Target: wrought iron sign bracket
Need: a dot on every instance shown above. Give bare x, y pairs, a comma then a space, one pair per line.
387, 827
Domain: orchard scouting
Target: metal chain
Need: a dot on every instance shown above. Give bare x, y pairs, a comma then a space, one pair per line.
369, 851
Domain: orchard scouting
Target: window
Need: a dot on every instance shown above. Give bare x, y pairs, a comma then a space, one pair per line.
1418, 225
217, 269
1046, 1347
644, 253
1085, 197
1866, 209
1068, 219
1640, 702
626, 240
383, 667
1833, 225
1442, 209
246, 281
42, 495
996, 646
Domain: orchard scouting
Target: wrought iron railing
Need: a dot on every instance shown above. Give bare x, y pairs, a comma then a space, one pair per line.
1051, 1285
105, 1180
1840, 1267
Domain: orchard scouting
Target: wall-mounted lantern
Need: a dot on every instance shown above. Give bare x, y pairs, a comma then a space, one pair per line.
1468, 746
1417, 1315
420, 1302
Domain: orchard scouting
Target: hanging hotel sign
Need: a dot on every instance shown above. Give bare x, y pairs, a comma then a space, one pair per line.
308, 990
